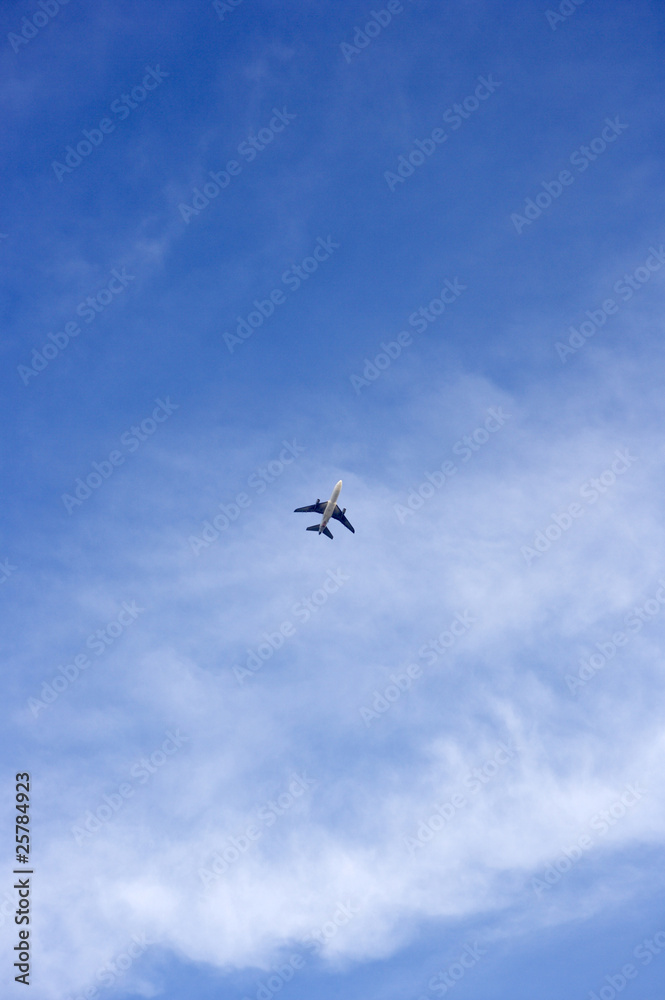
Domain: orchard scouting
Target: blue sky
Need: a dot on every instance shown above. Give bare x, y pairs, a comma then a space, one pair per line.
423, 757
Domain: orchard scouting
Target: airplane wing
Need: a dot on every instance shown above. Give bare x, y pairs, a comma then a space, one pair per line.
339, 516
315, 508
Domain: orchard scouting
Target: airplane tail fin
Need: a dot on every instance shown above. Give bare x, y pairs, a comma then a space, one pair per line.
315, 527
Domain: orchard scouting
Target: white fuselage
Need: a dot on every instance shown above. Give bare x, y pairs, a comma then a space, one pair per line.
330, 506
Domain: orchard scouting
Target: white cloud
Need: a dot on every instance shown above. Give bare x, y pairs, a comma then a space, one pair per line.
502, 683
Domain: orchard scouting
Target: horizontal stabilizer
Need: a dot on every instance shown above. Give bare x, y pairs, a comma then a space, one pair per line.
315, 527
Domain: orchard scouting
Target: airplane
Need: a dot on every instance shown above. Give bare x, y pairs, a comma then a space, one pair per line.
329, 509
